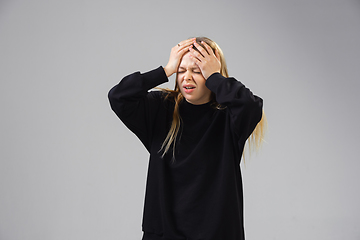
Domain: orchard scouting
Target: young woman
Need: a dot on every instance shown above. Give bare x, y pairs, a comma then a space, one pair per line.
195, 135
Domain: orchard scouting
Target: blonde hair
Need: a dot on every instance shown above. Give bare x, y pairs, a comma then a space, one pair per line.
255, 139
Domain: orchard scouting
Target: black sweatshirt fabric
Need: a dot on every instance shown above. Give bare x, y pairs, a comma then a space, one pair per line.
198, 196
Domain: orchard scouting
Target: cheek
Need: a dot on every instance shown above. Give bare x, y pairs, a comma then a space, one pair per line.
179, 76
201, 81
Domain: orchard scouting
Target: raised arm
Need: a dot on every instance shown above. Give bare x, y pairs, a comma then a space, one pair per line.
134, 105
244, 107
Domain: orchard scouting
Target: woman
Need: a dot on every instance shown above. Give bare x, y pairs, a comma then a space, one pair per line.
195, 135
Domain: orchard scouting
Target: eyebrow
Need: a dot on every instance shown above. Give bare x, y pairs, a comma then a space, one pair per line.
192, 68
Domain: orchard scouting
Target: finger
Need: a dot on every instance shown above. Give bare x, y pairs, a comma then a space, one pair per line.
183, 51
208, 48
201, 49
183, 46
196, 54
186, 42
196, 60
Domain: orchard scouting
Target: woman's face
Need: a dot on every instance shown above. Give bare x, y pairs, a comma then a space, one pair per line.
191, 82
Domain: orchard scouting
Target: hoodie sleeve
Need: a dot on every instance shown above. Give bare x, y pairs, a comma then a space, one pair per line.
244, 107
135, 105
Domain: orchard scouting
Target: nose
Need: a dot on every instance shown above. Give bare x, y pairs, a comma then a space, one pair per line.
187, 75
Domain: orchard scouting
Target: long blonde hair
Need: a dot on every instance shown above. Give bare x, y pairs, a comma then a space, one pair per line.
254, 141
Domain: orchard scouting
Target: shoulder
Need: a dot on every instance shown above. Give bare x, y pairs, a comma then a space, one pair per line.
159, 95
161, 98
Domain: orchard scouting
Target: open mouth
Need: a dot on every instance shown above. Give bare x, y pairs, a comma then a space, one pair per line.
189, 89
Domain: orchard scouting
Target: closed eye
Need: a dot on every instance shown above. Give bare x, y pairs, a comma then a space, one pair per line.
195, 70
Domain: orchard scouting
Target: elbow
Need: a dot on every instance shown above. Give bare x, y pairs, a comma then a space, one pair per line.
112, 94
115, 95
254, 105
258, 107
116, 102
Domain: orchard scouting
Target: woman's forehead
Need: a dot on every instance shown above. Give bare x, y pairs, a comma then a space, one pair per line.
186, 61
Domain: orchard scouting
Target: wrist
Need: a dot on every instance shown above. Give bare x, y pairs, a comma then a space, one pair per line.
211, 74
167, 71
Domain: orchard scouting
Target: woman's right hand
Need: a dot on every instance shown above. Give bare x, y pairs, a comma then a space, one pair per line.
175, 56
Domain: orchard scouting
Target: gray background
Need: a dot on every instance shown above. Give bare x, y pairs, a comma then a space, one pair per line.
71, 170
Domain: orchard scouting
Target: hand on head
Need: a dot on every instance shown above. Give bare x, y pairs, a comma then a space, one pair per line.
204, 58
176, 54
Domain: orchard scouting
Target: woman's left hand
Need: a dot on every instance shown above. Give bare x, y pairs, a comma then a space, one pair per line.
207, 61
